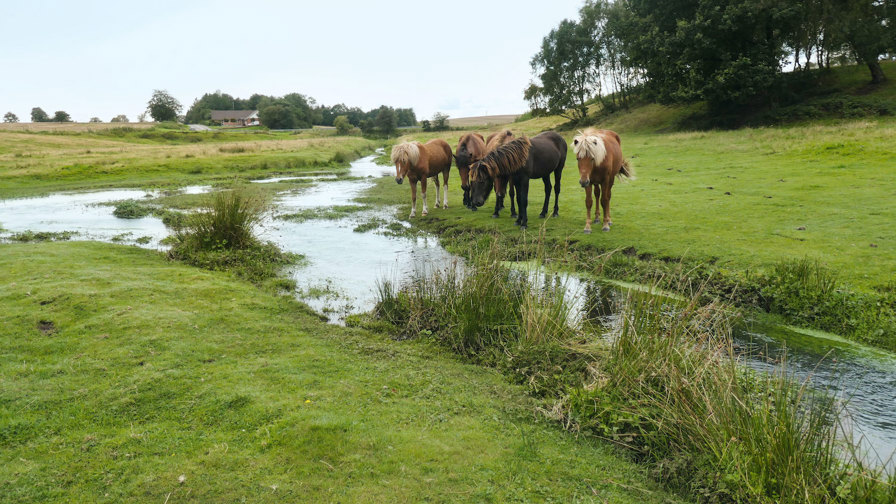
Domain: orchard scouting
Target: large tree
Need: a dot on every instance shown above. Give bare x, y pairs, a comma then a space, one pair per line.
278, 116
9, 117
38, 115
61, 116
163, 107
567, 67
385, 121
868, 27
728, 52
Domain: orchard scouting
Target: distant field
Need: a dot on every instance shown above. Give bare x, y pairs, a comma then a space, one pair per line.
77, 127
463, 122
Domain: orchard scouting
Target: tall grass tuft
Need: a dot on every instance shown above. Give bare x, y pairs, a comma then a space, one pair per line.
221, 237
665, 382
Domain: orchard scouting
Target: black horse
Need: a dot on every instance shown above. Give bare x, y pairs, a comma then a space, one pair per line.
521, 160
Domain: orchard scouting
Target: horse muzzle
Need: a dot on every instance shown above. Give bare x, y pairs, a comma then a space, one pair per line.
585, 182
399, 179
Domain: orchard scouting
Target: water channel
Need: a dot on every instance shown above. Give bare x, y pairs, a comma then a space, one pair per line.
344, 265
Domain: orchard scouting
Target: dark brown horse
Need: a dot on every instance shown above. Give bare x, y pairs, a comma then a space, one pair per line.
492, 142
418, 161
521, 160
599, 153
470, 148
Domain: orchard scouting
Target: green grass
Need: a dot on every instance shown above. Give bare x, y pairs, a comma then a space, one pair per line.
39, 162
120, 372
666, 383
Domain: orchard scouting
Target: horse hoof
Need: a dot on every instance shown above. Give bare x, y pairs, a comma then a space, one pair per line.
606, 228
514, 215
542, 216
473, 209
555, 214
524, 227
587, 231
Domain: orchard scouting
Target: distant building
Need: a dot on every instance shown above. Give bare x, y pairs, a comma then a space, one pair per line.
236, 117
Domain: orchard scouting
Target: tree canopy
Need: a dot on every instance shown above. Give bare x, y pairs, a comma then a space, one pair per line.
9, 117
163, 107
38, 115
730, 53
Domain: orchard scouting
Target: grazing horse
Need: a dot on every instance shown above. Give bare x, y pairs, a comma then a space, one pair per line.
492, 142
418, 161
599, 153
521, 160
470, 148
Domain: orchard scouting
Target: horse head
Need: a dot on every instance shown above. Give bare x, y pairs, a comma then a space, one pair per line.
590, 153
481, 184
404, 155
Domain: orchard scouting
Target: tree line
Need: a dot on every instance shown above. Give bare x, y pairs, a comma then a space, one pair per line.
730, 53
296, 110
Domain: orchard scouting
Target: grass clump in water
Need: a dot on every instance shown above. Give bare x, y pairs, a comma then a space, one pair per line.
131, 209
221, 237
42, 236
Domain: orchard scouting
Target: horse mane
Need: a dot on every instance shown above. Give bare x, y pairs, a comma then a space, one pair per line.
406, 153
590, 144
504, 160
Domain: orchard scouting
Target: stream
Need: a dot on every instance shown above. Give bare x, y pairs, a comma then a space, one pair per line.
343, 267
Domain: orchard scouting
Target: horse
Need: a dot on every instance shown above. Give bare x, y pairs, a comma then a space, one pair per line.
521, 160
418, 161
492, 142
470, 148
599, 153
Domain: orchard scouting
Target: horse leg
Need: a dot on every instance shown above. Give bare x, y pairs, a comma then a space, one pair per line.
588, 202
605, 203
512, 194
438, 191
445, 191
557, 175
413, 199
522, 202
547, 196
423, 190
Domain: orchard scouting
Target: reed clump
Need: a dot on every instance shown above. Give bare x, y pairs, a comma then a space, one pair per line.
220, 236
664, 382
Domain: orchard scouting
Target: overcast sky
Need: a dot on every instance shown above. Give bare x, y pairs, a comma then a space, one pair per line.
104, 58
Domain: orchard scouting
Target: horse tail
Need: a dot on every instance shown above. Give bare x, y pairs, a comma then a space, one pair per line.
627, 170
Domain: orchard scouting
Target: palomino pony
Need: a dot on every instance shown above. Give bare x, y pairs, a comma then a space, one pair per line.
599, 153
470, 148
418, 161
521, 160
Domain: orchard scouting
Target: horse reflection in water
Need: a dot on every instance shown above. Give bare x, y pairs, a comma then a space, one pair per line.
419, 162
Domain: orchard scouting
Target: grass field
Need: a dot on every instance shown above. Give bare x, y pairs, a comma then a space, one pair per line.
126, 377
741, 199
35, 163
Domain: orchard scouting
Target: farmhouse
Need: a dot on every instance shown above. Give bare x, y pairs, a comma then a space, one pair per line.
236, 117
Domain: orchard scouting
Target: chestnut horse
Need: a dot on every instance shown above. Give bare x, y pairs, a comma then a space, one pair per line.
418, 161
519, 161
599, 153
492, 142
470, 148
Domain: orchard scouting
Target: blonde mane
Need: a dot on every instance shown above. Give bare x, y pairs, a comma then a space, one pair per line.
406, 153
590, 144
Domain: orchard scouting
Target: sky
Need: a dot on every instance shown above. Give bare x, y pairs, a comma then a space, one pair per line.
104, 58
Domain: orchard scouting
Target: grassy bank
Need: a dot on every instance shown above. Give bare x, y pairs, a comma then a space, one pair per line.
663, 381
729, 204
127, 377
38, 162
